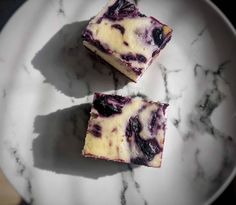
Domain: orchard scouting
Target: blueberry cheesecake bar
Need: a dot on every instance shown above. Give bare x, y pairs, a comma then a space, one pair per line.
126, 38
124, 129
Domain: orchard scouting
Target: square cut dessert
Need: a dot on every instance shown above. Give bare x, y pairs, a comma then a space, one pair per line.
126, 38
124, 129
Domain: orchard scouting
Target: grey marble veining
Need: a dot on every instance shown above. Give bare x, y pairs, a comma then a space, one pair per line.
176, 121
123, 190
26, 69
199, 121
45, 107
21, 167
61, 10
200, 174
22, 172
4, 93
201, 32
136, 184
212, 98
165, 73
130, 185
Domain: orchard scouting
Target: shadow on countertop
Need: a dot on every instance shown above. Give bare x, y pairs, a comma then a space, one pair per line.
71, 68
60, 142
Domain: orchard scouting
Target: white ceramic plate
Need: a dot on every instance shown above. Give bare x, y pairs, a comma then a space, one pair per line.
47, 78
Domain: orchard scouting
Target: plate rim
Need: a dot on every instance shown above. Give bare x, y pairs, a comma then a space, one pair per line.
227, 22
12, 16
230, 178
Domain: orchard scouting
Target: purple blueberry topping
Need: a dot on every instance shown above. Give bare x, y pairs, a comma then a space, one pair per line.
114, 129
110, 143
154, 125
119, 27
106, 109
145, 36
155, 52
142, 15
155, 21
139, 161
130, 57
157, 122
160, 39
164, 107
158, 36
121, 9
96, 130
138, 71
134, 127
99, 20
119, 99
149, 147
101, 47
141, 58
88, 36
165, 42
108, 105
126, 43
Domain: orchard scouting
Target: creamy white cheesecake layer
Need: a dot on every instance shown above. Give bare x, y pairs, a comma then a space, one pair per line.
127, 38
112, 60
119, 148
112, 143
115, 39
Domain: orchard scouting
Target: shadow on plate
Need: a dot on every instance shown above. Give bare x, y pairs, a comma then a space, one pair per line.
60, 142
71, 68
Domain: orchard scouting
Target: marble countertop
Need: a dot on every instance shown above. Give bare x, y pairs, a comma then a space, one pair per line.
7, 9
